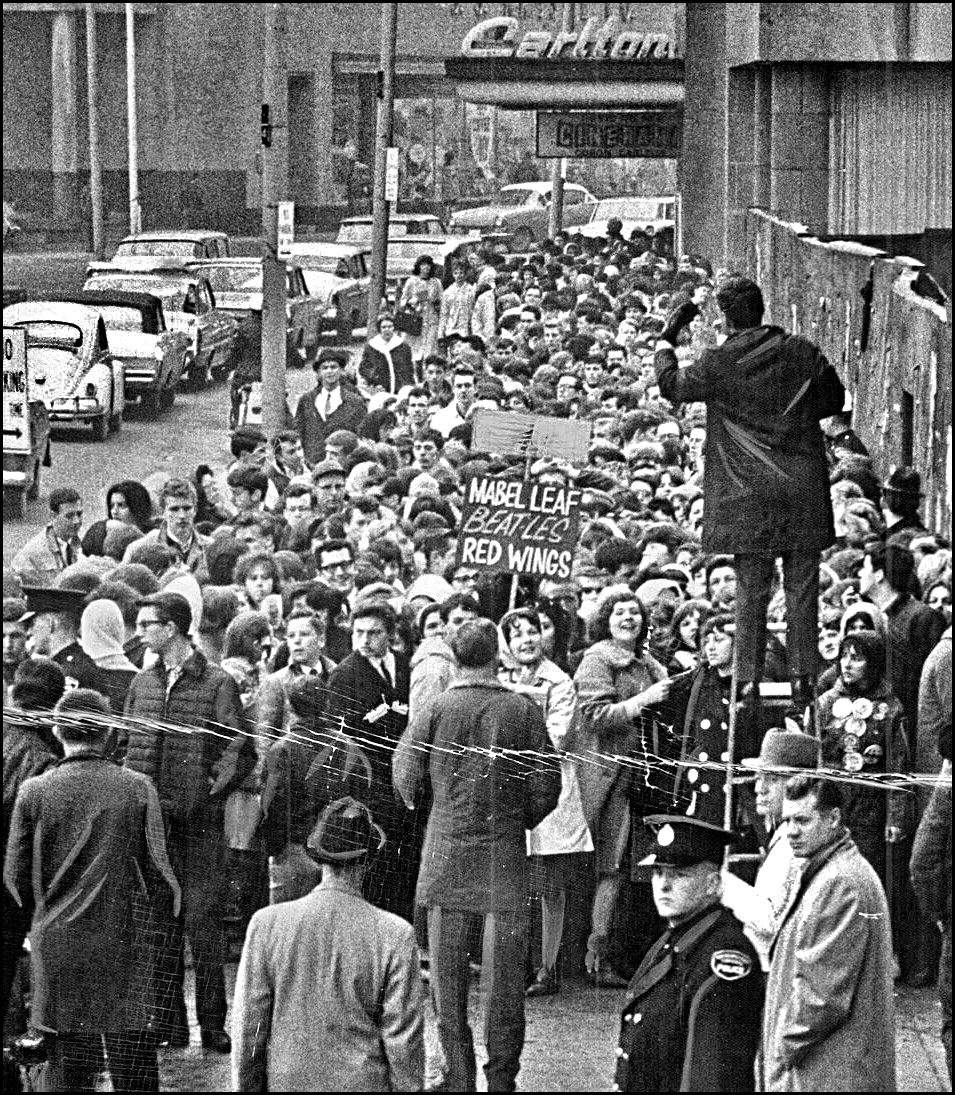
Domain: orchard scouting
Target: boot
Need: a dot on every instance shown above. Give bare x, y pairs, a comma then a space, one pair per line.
803, 708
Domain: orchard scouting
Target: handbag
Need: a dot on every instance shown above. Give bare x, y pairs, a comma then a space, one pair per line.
408, 322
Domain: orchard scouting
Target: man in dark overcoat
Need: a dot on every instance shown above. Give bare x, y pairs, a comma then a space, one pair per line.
86, 858
692, 1017
765, 480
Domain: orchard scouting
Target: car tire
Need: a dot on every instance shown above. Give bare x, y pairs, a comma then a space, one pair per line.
196, 379
33, 490
116, 422
13, 503
167, 396
523, 239
100, 426
149, 402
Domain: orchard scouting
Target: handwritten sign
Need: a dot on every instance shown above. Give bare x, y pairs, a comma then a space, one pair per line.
16, 396
519, 527
510, 434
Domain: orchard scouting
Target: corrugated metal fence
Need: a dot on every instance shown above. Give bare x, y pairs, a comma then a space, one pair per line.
891, 345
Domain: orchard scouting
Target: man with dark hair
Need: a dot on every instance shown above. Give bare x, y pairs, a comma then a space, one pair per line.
328, 406
288, 460
248, 486
766, 481
418, 409
829, 1016
177, 533
186, 737
458, 411
368, 700
427, 446
493, 775
86, 856
58, 546
335, 562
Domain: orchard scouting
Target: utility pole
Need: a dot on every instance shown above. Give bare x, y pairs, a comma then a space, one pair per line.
383, 138
274, 132
96, 167
559, 167
135, 208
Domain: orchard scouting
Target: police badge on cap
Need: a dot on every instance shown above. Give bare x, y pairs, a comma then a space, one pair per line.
683, 841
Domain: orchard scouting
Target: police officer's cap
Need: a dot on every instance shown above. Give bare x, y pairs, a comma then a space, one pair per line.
52, 599
683, 841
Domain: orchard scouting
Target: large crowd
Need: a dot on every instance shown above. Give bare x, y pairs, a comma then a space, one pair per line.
273, 643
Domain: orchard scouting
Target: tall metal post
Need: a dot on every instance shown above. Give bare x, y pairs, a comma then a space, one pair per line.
274, 190
96, 168
383, 136
559, 167
135, 207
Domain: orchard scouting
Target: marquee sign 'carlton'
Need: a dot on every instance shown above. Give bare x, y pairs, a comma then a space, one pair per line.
611, 41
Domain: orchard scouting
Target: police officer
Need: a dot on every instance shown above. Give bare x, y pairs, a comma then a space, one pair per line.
52, 622
692, 1017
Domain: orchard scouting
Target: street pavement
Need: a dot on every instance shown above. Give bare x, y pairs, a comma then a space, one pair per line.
570, 1037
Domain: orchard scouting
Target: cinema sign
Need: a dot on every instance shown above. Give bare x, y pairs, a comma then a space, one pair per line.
610, 41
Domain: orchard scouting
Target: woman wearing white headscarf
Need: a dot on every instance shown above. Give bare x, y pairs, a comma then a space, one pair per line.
102, 634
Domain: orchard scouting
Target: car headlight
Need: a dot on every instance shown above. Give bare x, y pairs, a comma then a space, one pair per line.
499, 222
331, 311
158, 353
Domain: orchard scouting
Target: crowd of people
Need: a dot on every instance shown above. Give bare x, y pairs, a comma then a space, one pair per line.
299, 711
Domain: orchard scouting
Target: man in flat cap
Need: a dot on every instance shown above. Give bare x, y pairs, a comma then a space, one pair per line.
328, 996
52, 623
327, 407
692, 1017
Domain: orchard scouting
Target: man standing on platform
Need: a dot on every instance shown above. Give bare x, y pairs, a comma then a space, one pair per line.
766, 481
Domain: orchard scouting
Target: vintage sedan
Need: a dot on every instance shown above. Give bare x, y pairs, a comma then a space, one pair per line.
410, 235
520, 215
180, 243
154, 356
654, 216
237, 284
337, 278
189, 304
71, 367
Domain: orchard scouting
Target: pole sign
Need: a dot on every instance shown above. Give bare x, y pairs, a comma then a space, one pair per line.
286, 228
391, 174
16, 395
510, 434
615, 135
519, 527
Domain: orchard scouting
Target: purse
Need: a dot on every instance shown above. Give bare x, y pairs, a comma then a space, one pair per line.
408, 322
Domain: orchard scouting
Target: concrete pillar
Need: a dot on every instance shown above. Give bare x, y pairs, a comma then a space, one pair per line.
762, 136
740, 157
799, 163
65, 130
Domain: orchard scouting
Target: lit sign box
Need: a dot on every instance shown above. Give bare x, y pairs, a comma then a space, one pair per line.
618, 135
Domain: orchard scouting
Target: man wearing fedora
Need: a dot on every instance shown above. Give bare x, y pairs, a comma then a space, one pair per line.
901, 495
691, 1021
327, 407
761, 907
328, 995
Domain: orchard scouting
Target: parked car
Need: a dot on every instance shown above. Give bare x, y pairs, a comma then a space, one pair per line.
337, 277
655, 216
189, 305
520, 215
237, 284
154, 357
23, 458
410, 235
70, 363
180, 243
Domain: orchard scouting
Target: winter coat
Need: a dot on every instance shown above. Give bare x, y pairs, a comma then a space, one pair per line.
432, 670
493, 775
28, 750
41, 559
272, 711
424, 297
188, 742
766, 481
931, 863
607, 676
328, 997
374, 368
828, 1022
314, 430
86, 856
914, 631
867, 734
935, 710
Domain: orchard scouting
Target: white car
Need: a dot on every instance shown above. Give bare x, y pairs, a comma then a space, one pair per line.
520, 215
651, 215
69, 364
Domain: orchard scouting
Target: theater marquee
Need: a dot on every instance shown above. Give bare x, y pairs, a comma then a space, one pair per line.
606, 135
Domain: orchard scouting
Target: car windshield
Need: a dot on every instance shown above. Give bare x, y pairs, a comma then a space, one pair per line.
520, 197
53, 346
234, 279
171, 293
634, 209
323, 264
118, 318
356, 232
178, 248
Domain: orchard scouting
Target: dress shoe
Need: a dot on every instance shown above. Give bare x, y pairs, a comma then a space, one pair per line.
544, 983
606, 977
217, 1040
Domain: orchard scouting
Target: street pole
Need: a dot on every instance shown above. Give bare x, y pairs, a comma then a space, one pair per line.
135, 209
383, 137
559, 167
96, 168
274, 189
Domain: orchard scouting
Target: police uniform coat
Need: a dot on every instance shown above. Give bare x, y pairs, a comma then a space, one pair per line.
692, 1017
766, 481
829, 1016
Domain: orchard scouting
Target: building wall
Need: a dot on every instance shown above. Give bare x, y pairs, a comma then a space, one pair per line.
891, 346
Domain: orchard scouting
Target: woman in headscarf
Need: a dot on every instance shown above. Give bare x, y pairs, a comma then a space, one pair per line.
422, 294
127, 503
102, 637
